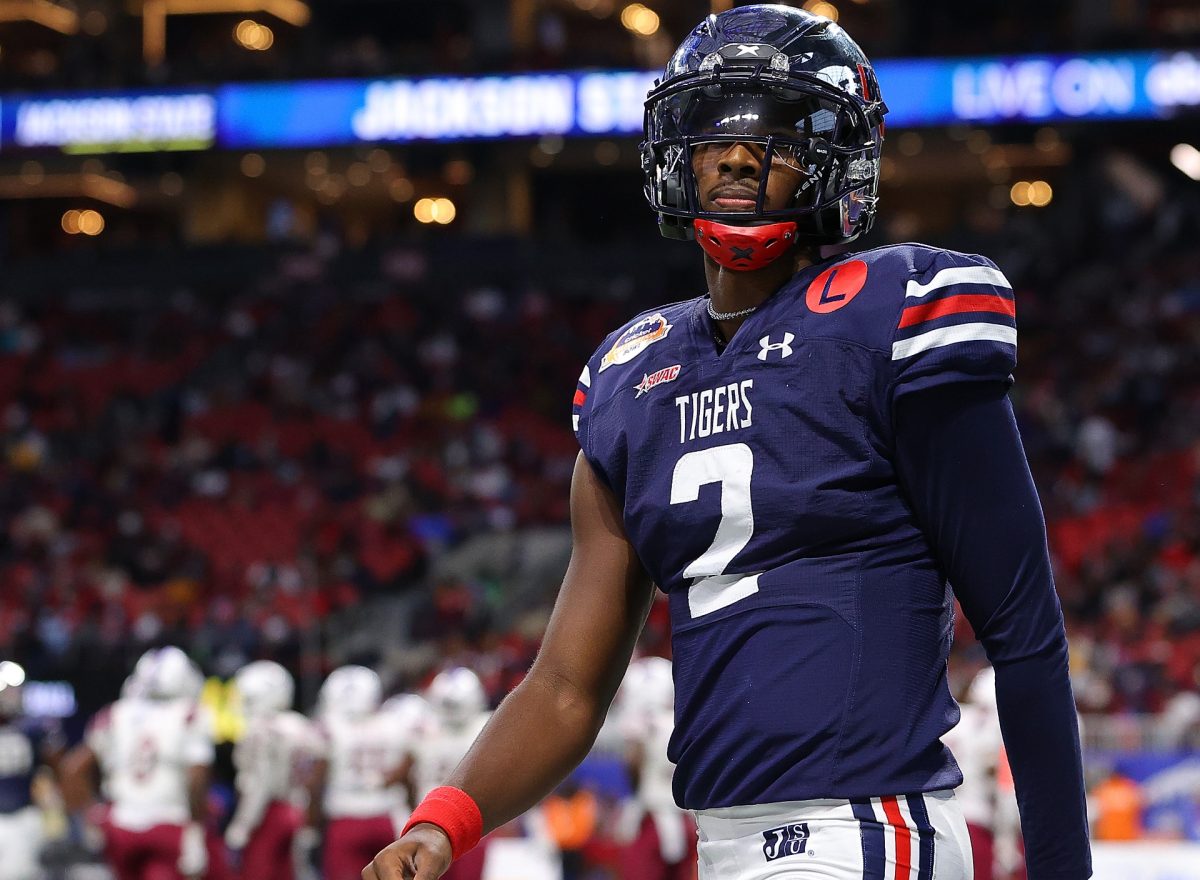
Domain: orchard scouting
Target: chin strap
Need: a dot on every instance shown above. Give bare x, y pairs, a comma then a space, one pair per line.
745, 248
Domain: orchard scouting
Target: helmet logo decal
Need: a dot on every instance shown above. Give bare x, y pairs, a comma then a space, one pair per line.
752, 51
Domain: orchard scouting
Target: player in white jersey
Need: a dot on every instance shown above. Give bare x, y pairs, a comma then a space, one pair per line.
269, 759
659, 838
358, 777
155, 752
976, 743
459, 706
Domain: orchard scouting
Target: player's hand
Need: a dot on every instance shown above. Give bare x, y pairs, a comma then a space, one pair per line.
193, 851
422, 854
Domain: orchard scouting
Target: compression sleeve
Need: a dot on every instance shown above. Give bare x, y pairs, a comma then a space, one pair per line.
960, 461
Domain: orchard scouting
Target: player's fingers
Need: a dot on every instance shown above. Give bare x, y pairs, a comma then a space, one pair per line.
393, 863
426, 866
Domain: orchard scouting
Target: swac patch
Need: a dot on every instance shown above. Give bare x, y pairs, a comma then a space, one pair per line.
662, 377
787, 840
636, 339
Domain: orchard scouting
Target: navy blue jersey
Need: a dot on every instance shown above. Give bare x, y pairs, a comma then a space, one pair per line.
811, 622
22, 746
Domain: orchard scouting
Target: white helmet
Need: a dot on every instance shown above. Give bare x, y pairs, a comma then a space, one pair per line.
982, 690
648, 687
264, 687
166, 674
456, 695
350, 691
409, 711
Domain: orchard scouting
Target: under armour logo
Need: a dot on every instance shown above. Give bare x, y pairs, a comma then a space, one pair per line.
743, 50
785, 347
741, 253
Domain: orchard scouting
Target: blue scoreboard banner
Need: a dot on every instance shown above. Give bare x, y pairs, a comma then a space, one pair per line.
1022, 90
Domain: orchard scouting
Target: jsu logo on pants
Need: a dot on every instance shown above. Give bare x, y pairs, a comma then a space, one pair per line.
784, 841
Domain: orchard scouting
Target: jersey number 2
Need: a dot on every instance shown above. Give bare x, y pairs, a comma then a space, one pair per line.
732, 467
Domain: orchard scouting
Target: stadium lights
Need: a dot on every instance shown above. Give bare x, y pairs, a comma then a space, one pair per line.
254, 36
440, 211
640, 20
1186, 158
43, 12
1035, 194
400, 189
253, 165
97, 187
86, 222
155, 12
11, 674
823, 9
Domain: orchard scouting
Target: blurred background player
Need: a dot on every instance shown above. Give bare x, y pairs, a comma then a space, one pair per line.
659, 838
272, 760
154, 751
459, 706
976, 744
26, 745
358, 793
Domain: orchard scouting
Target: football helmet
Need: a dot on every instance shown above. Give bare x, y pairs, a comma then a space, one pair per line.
799, 88
166, 674
456, 695
264, 688
351, 692
410, 711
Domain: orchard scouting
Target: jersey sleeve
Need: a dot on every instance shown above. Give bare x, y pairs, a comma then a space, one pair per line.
582, 421
579, 408
957, 323
986, 528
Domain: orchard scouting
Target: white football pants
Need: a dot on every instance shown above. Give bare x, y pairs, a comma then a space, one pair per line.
913, 837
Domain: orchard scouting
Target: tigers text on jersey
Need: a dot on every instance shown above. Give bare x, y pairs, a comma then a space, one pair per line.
810, 622
145, 749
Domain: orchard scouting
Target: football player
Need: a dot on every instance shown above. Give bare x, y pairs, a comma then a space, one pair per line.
659, 838
154, 750
976, 744
358, 792
459, 711
26, 745
806, 459
270, 759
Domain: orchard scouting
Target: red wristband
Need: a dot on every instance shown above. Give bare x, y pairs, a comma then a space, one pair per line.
455, 812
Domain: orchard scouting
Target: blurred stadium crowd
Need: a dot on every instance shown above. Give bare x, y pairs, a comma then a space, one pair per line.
224, 465
309, 468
